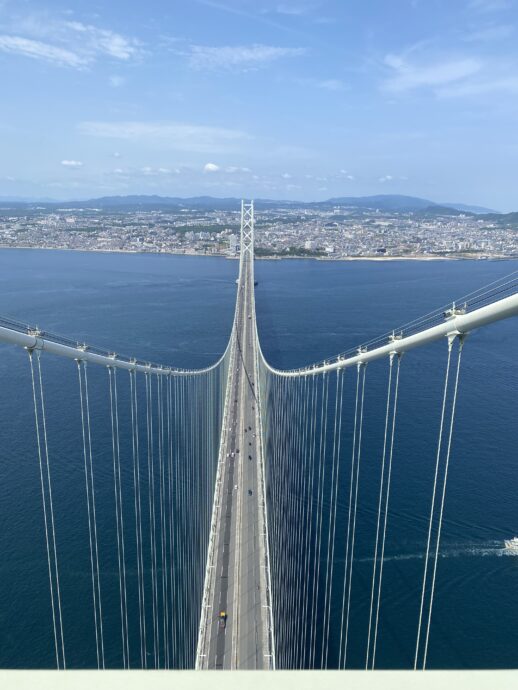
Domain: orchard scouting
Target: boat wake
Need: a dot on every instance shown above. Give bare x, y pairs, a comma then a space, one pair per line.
494, 549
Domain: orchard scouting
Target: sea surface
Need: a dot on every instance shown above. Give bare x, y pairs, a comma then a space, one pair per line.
178, 310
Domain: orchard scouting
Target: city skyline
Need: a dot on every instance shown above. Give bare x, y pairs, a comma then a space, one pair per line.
304, 100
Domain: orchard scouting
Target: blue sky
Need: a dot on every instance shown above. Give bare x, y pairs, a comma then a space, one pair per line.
301, 99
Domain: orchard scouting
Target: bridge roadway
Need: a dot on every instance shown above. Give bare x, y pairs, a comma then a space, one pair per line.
238, 582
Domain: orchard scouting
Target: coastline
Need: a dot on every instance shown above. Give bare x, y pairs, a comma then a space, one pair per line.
418, 257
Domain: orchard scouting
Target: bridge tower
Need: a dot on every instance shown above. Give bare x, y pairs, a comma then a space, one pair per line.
247, 229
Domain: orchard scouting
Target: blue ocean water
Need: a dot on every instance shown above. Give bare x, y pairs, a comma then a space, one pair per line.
179, 310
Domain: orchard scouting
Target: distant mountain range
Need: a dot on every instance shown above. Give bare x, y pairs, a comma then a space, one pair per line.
382, 202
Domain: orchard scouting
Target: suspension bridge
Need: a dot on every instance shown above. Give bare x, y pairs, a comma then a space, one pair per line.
235, 493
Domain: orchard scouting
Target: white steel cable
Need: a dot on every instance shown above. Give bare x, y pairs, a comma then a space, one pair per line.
337, 432
58, 645
441, 512
94, 564
349, 513
309, 510
380, 499
320, 502
123, 541
296, 492
51, 502
117, 514
358, 458
151, 490
162, 517
170, 520
332, 498
432, 508
385, 511
138, 518
87, 485
301, 518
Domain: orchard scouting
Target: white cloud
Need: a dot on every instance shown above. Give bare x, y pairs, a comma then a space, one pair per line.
66, 43
489, 5
238, 57
149, 171
331, 84
234, 169
210, 168
72, 164
408, 76
286, 176
292, 10
104, 41
41, 51
477, 88
335, 85
175, 135
386, 178
117, 81
490, 33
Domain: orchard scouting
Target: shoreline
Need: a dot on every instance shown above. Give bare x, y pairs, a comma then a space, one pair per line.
273, 257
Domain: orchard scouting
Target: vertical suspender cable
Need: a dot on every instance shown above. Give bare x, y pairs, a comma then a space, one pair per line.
301, 522
123, 544
362, 369
151, 493
358, 458
332, 498
298, 518
380, 500
46, 494
169, 519
92, 521
165, 622
311, 457
349, 513
138, 517
432, 508
118, 513
439, 525
94, 514
114, 454
385, 511
320, 502
337, 434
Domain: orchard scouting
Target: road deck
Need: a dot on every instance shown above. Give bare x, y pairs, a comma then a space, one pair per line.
238, 583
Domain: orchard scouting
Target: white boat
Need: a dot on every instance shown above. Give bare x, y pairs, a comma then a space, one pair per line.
511, 544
